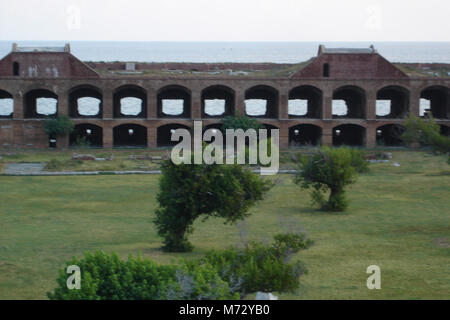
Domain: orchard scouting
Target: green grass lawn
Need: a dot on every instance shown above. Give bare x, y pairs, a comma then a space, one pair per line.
399, 219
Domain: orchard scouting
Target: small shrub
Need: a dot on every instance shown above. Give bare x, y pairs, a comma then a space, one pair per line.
259, 267
426, 133
54, 164
82, 143
359, 160
328, 170
107, 277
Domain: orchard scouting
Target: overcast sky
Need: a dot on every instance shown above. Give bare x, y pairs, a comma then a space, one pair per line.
226, 20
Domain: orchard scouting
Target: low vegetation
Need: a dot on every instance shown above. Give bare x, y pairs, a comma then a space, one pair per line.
221, 275
426, 133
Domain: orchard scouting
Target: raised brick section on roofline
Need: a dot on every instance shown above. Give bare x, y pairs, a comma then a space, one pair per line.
358, 76
44, 64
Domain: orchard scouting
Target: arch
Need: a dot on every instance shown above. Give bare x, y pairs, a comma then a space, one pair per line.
36, 108
16, 68
215, 97
261, 101
130, 108
439, 101
217, 126
392, 102
389, 135
164, 134
6, 104
174, 101
355, 101
269, 127
350, 135
309, 99
445, 130
85, 111
92, 133
305, 135
130, 136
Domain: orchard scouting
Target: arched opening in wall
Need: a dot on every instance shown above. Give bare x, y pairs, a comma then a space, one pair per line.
268, 127
305, 102
130, 101
6, 104
389, 135
130, 136
216, 128
174, 101
40, 103
326, 70
87, 135
435, 99
392, 102
85, 101
164, 134
305, 135
217, 101
445, 130
349, 135
349, 102
261, 101
16, 68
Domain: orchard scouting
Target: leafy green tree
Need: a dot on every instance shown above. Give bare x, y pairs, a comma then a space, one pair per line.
426, 133
59, 126
240, 122
190, 191
328, 170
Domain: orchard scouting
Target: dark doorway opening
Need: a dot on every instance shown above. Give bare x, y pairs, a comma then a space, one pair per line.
130, 136
349, 135
89, 133
305, 135
164, 134
389, 135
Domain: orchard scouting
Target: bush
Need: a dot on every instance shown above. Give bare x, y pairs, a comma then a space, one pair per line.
240, 122
188, 191
359, 160
82, 143
328, 170
106, 277
426, 133
259, 267
59, 126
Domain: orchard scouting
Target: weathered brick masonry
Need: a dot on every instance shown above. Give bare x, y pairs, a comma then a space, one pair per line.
359, 77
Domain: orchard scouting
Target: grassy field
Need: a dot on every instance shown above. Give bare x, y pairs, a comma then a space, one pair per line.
399, 219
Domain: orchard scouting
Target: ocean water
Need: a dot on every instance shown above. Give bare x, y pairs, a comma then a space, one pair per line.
279, 52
